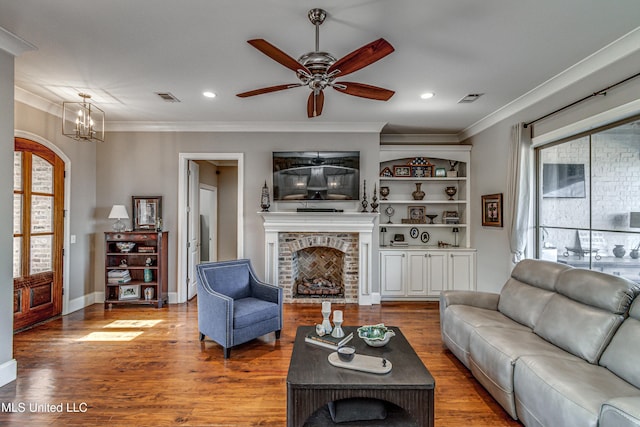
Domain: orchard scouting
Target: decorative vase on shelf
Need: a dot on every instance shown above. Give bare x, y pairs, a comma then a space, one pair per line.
384, 192
635, 254
451, 191
418, 194
619, 251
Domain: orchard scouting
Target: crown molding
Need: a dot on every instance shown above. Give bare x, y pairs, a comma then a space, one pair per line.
614, 51
13, 44
342, 127
445, 138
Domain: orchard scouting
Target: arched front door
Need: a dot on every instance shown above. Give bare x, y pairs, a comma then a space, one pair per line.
38, 211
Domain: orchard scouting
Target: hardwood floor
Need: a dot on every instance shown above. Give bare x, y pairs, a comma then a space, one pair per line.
165, 376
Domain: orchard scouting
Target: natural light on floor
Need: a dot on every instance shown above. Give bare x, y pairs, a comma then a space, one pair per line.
121, 335
133, 324
111, 336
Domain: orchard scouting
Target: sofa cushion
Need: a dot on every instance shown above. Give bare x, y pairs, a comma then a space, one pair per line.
523, 303
460, 321
553, 391
626, 342
620, 412
611, 293
249, 311
577, 328
493, 353
539, 273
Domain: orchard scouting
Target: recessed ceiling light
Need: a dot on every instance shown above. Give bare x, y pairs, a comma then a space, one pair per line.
209, 94
427, 95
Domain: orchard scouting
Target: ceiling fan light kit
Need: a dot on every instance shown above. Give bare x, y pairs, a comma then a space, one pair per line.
318, 70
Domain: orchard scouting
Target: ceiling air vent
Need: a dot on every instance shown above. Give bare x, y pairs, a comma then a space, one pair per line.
470, 98
167, 96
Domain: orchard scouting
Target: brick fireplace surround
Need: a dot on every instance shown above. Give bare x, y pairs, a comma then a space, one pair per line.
349, 233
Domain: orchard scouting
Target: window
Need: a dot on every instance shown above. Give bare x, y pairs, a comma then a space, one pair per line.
588, 200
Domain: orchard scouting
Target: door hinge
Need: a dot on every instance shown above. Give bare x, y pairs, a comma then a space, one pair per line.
188, 245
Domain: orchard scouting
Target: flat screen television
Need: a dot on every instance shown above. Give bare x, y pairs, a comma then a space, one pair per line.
316, 175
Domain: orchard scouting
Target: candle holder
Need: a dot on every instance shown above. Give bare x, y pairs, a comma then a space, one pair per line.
326, 313
337, 321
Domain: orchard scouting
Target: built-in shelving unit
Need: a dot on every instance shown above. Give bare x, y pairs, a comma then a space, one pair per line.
435, 256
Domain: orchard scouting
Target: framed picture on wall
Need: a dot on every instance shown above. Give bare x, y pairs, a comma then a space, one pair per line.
147, 212
492, 210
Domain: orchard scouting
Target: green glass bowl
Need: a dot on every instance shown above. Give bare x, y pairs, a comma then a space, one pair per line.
376, 335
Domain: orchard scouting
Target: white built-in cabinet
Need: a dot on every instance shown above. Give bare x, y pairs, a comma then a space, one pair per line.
419, 274
434, 258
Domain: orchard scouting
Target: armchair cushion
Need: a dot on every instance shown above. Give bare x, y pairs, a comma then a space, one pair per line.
249, 311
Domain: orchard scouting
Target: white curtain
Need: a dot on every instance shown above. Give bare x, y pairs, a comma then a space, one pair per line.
519, 190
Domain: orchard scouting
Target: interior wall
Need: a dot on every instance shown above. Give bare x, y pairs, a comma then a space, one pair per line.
489, 158
7, 363
138, 156
227, 212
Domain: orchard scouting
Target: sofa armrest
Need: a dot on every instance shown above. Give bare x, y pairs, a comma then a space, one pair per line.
486, 300
620, 412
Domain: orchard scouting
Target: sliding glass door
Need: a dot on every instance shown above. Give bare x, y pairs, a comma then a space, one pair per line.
588, 200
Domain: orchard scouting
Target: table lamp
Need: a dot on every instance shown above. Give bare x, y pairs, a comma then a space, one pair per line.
118, 212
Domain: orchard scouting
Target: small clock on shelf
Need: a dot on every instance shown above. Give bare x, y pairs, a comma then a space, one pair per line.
389, 211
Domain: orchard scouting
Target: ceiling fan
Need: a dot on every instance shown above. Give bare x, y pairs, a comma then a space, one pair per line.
318, 70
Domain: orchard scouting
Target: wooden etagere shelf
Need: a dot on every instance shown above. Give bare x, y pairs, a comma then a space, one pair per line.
139, 275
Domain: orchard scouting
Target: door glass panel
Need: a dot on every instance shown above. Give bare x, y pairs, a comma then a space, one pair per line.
17, 170
41, 254
17, 256
42, 175
41, 214
17, 213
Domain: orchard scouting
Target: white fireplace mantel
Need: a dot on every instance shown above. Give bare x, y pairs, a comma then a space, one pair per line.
323, 222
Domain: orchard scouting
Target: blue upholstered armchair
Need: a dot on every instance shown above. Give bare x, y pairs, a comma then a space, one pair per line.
234, 306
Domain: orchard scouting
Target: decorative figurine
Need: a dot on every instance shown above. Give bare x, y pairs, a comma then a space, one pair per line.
264, 198
374, 200
364, 197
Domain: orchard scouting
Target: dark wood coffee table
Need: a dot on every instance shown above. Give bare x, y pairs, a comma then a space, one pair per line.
312, 382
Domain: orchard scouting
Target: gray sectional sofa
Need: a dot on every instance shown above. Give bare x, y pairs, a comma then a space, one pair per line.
559, 346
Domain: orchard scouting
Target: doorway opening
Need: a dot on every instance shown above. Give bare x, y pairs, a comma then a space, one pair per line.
199, 175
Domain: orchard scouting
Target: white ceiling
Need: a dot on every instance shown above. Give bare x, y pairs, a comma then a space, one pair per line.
123, 52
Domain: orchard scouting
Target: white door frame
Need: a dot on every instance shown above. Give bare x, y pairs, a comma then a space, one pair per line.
183, 167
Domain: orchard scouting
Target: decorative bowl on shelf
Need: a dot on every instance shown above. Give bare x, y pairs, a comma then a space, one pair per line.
376, 335
125, 246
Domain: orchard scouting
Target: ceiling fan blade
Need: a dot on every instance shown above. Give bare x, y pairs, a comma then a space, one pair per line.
364, 91
277, 55
268, 90
315, 103
362, 57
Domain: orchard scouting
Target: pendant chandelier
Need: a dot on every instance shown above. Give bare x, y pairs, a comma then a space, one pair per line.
82, 120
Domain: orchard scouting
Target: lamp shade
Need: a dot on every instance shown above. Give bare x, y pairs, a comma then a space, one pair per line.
118, 212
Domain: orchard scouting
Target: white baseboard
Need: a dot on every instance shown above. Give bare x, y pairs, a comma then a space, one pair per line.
375, 298
8, 372
173, 298
84, 301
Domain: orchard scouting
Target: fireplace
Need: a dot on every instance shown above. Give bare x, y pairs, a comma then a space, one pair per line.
318, 265
329, 254
318, 273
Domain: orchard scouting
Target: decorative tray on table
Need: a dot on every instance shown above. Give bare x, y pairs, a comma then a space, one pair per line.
361, 362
